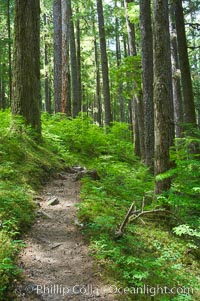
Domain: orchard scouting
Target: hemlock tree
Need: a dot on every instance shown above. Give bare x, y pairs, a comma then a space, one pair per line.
26, 83
97, 77
76, 102
176, 81
9, 51
104, 64
6, 19
47, 87
66, 100
120, 98
147, 79
138, 113
57, 13
131, 30
188, 96
78, 55
163, 101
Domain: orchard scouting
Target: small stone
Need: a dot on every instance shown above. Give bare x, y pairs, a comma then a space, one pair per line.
53, 202
43, 214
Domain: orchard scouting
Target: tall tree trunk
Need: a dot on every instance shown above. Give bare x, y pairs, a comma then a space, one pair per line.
2, 94
46, 79
104, 64
98, 85
147, 79
176, 83
125, 45
66, 100
118, 59
163, 101
46, 82
78, 55
9, 55
138, 105
26, 83
139, 127
57, 54
131, 122
198, 116
131, 31
188, 96
76, 103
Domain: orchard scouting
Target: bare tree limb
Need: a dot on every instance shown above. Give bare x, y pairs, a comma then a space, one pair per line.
133, 215
123, 224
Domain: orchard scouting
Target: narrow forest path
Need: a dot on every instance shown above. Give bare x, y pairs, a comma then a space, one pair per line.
56, 265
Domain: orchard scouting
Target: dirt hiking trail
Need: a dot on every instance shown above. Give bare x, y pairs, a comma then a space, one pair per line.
56, 264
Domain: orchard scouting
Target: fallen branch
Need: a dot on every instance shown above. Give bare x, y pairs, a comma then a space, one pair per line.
133, 215
56, 246
119, 232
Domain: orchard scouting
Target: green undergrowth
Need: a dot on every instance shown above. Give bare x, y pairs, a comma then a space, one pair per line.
152, 254
159, 252
156, 252
148, 254
24, 166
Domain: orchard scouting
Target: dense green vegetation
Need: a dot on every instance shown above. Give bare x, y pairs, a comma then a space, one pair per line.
112, 86
25, 165
158, 249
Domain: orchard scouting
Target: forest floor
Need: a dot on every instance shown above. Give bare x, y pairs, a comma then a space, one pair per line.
56, 263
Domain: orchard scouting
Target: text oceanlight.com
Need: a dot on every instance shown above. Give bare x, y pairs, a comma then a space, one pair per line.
90, 290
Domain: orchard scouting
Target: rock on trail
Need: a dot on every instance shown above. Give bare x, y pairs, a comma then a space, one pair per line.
56, 265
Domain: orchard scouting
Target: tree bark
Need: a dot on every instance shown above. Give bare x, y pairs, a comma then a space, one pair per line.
46, 79
147, 80
78, 55
138, 105
66, 100
131, 31
9, 55
176, 83
104, 64
2, 94
118, 59
98, 84
76, 103
57, 54
26, 83
125, 45
188, 96
131, 121
163, 100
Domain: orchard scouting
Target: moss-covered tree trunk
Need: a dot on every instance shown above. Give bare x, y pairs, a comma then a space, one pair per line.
26, 83
163, 101
147, 79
